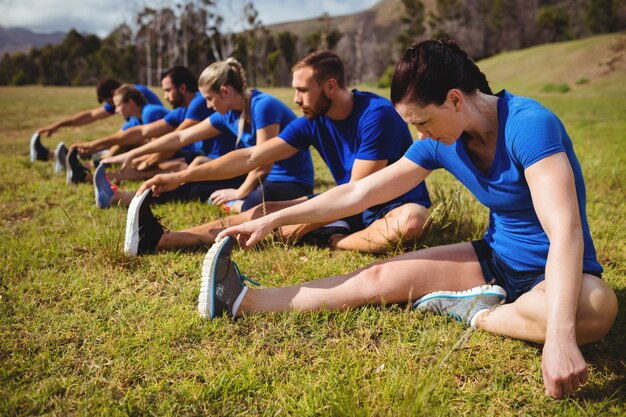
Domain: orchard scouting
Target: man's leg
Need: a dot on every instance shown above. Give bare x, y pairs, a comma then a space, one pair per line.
526, 317
403, 223
205, 234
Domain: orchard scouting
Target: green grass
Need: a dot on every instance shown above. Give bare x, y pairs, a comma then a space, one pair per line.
86, 331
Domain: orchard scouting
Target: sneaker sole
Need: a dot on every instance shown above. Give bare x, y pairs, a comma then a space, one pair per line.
95, 187
494, 290
58, 166
33, 149
131, 239
206, 305
68, 170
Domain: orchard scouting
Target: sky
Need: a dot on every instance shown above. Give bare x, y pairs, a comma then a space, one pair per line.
102, 16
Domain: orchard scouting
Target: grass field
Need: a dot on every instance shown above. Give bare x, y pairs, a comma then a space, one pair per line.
87, 331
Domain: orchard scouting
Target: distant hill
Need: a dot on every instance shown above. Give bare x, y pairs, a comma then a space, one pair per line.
19, 39
383, 15
589, 66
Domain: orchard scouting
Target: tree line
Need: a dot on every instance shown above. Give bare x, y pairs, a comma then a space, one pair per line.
193, 34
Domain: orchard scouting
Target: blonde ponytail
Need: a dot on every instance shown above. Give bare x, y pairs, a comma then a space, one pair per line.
229, 72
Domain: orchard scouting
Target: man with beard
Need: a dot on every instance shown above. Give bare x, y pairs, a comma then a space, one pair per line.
356, 134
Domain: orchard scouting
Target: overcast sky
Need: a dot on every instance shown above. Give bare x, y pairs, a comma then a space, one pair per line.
101, 16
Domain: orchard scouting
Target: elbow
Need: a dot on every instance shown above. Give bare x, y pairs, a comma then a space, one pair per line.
251, 160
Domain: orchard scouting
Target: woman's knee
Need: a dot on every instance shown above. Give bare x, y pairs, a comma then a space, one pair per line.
598, 309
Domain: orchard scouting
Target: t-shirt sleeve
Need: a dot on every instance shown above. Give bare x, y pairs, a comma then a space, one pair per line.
298, 133
198, 109
267, 111
149, 95
379, 132
219, 122
132, 122
153, 113
424, 154
538, 135
175, 117
109, 108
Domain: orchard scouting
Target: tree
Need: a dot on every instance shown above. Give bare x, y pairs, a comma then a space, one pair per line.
325, 37
602, 15
413, 22
553, 20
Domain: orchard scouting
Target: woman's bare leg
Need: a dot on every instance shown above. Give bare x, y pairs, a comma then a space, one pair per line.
526, 317
400, 279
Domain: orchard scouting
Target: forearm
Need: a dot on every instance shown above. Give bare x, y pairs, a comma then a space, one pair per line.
252, 181
563, 282
163, 144
231, 165
77, 120
337, 203
105, 143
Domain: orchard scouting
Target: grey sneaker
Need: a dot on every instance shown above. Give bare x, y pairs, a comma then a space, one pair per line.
222, 283
462, 305
60, 154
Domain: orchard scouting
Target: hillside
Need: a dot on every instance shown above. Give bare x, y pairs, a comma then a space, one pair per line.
590, 66
19, 39
383, 15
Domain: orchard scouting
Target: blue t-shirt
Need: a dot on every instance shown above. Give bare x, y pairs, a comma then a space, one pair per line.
527, 133
266, 110
149, 113
219, 145
151, 98
198, 111
373, 131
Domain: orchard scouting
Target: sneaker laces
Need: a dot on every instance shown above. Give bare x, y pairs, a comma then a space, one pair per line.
242, 277
157, 220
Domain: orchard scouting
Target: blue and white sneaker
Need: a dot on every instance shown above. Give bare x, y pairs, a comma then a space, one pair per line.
222, 287
104, 191
60, 154
38, 152
463, 306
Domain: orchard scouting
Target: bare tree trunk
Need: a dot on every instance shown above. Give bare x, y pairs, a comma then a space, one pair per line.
148, 58
157, 29
185, 45
358, 49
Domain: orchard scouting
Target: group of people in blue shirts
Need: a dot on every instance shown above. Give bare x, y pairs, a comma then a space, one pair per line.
533, 276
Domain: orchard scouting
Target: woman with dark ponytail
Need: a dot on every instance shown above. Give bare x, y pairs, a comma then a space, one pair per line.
537, 255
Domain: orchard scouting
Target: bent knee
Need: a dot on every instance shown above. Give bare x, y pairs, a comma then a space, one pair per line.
409, 220
599, 308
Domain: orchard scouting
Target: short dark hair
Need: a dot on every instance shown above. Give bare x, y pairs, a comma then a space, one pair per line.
429, 69
182, 75
130, 92
325, 64
105, 89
